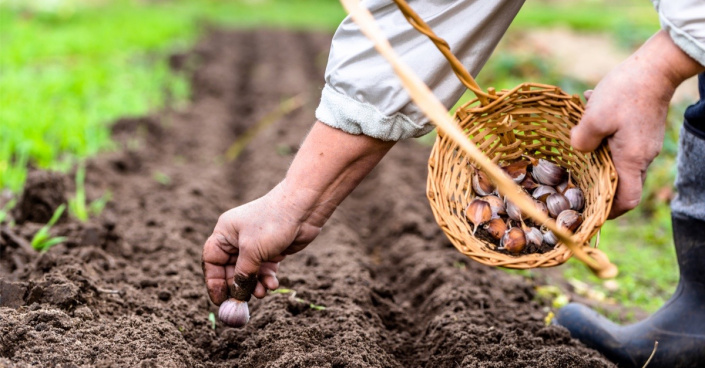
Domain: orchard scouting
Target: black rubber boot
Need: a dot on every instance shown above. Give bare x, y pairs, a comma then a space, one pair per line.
679, 326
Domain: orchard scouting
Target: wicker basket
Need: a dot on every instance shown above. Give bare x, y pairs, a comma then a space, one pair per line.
532, 120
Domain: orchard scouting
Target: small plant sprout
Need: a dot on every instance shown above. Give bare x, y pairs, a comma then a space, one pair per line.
298, 300
549, 318
162, 178
282, 291
211, 318
97, 206
6, 209
78, 206
42, 240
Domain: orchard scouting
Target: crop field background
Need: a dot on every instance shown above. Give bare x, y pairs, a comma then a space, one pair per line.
68, 68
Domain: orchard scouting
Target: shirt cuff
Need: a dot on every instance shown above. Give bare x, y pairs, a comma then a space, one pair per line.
682, 19
689, 45
342, 112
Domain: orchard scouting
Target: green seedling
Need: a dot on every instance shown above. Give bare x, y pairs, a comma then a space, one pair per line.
553, 294
6, 209
282, 291
77, 204
313, 306
211, 318
78, 208
298, 300
97, 206
162, 178
548, 319
42, 240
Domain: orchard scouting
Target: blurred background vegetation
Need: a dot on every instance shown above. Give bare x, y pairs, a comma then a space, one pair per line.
68, 68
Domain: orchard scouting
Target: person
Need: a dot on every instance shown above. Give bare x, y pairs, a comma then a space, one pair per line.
364, 110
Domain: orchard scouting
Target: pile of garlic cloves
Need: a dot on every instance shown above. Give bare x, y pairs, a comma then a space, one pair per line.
502, 223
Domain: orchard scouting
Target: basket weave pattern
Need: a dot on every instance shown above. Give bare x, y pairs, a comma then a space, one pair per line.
532, 120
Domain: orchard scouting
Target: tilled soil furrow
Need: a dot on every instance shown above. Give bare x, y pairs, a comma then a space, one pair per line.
380, 287
455, 312
333, 272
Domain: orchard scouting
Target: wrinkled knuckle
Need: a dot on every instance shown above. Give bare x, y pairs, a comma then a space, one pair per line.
245, 247
224, 242
261, 252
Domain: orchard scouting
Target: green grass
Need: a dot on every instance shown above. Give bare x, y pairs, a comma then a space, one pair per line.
643, 252
67, 72
630, 21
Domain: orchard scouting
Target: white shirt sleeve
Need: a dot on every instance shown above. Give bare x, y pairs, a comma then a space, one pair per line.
684, 20
362, 94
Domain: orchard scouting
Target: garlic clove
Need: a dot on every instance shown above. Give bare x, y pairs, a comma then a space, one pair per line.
541, 207
496, 204
575, 198
547, 173
528, 183
565, 185
556, 204
533, 236
517, 170
496, 228
542, 192
514, 240
513, 211
481, 183
234, 313
569, 219
550, 238
478, 212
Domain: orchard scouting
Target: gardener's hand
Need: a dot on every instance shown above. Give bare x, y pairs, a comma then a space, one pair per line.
629, 108
249, 241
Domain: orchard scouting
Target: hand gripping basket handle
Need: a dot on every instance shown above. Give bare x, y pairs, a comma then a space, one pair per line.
437, 113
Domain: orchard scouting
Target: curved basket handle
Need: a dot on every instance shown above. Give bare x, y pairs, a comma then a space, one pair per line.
437, 113
460, 71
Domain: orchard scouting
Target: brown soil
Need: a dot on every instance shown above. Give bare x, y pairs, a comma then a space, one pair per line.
126, 289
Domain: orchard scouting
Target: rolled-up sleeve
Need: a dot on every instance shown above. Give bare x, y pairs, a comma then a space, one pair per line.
362, 94
684, 20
